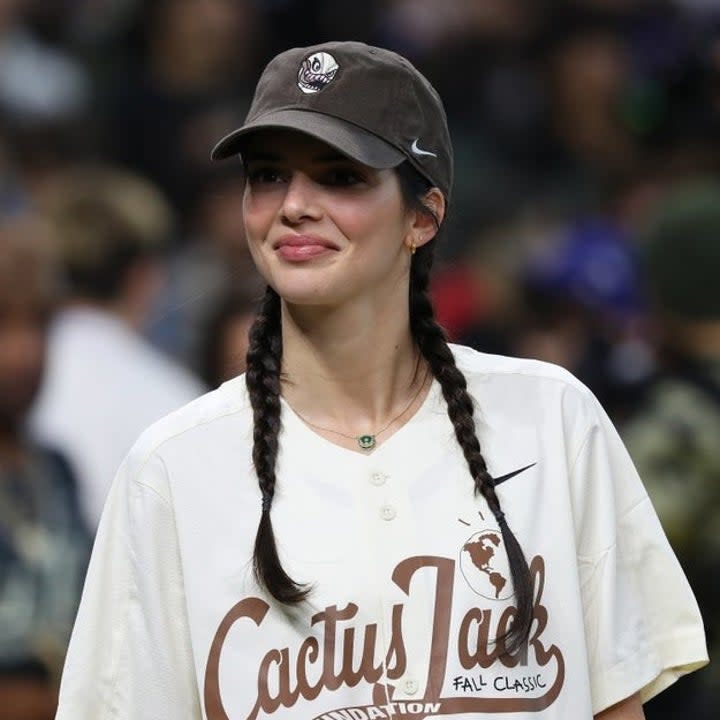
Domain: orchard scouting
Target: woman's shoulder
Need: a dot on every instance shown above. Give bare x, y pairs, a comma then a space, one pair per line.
476, 365
521, 389
206, 414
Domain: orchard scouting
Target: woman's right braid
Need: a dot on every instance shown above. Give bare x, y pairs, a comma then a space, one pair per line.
264, 359
433, 345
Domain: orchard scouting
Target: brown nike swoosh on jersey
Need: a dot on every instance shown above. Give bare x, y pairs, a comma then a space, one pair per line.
512, 474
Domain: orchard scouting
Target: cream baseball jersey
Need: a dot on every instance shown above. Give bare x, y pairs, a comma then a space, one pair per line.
410, 579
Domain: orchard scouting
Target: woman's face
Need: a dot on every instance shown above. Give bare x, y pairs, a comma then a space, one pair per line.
323, 229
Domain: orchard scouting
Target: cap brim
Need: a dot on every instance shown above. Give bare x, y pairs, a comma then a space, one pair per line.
344, 137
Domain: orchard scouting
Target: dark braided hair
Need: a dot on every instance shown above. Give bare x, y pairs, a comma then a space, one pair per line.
432, 342
263, 382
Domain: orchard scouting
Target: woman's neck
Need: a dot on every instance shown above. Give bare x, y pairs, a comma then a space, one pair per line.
350, 368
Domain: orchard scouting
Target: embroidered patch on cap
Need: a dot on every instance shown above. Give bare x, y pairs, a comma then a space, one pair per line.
316, 72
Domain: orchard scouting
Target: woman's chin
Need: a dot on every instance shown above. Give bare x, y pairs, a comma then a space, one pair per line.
309, 295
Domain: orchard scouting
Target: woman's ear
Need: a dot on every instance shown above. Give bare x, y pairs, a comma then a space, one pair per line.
426, 224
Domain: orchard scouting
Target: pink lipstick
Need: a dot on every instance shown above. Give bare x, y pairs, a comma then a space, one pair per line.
300, 248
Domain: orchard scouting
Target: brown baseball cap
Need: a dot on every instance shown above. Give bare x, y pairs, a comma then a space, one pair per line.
368, 103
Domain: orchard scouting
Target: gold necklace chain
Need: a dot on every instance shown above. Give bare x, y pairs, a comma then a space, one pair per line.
368, 441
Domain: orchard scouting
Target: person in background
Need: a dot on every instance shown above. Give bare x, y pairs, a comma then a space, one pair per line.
673, 437
582, 308
104, 381
44, 546
39, 84
189, 80
211, 263
227, 339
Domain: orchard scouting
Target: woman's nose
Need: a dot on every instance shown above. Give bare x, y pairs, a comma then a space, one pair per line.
301, 200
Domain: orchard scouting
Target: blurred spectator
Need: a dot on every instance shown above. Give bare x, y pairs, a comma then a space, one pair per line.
213, 262
582, 310
565, 293
591, 262
45, 101
459, 301
104, 382
494, 263
37, 83
587, 70
226, 339
189, 86
673, 437
43, 544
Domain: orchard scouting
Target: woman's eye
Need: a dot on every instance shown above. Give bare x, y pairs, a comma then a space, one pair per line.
343, 177
264, 175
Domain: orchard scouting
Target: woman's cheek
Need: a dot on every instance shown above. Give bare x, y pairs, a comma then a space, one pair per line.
258, 259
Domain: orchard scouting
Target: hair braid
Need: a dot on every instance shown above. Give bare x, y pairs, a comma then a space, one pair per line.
263, 382
434, 347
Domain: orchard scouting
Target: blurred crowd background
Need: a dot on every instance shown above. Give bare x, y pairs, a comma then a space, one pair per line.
585, 230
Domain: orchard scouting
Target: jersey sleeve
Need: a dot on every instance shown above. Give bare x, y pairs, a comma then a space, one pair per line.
643, 625
130, 655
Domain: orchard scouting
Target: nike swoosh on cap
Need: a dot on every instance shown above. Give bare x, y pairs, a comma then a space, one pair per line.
512, 474
418, 151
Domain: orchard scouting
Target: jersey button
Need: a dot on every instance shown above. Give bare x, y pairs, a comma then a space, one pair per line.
388, 512
378, 478
411, 687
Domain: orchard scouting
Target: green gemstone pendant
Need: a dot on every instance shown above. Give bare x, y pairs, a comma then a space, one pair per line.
366, 442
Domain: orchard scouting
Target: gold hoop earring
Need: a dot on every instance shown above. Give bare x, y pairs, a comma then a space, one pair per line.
413, 248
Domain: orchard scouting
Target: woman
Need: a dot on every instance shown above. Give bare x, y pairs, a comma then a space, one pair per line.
305, 541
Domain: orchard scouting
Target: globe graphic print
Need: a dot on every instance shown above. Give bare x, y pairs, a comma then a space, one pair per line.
484, 565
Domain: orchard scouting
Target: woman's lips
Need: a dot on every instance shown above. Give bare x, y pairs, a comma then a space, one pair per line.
297, 248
